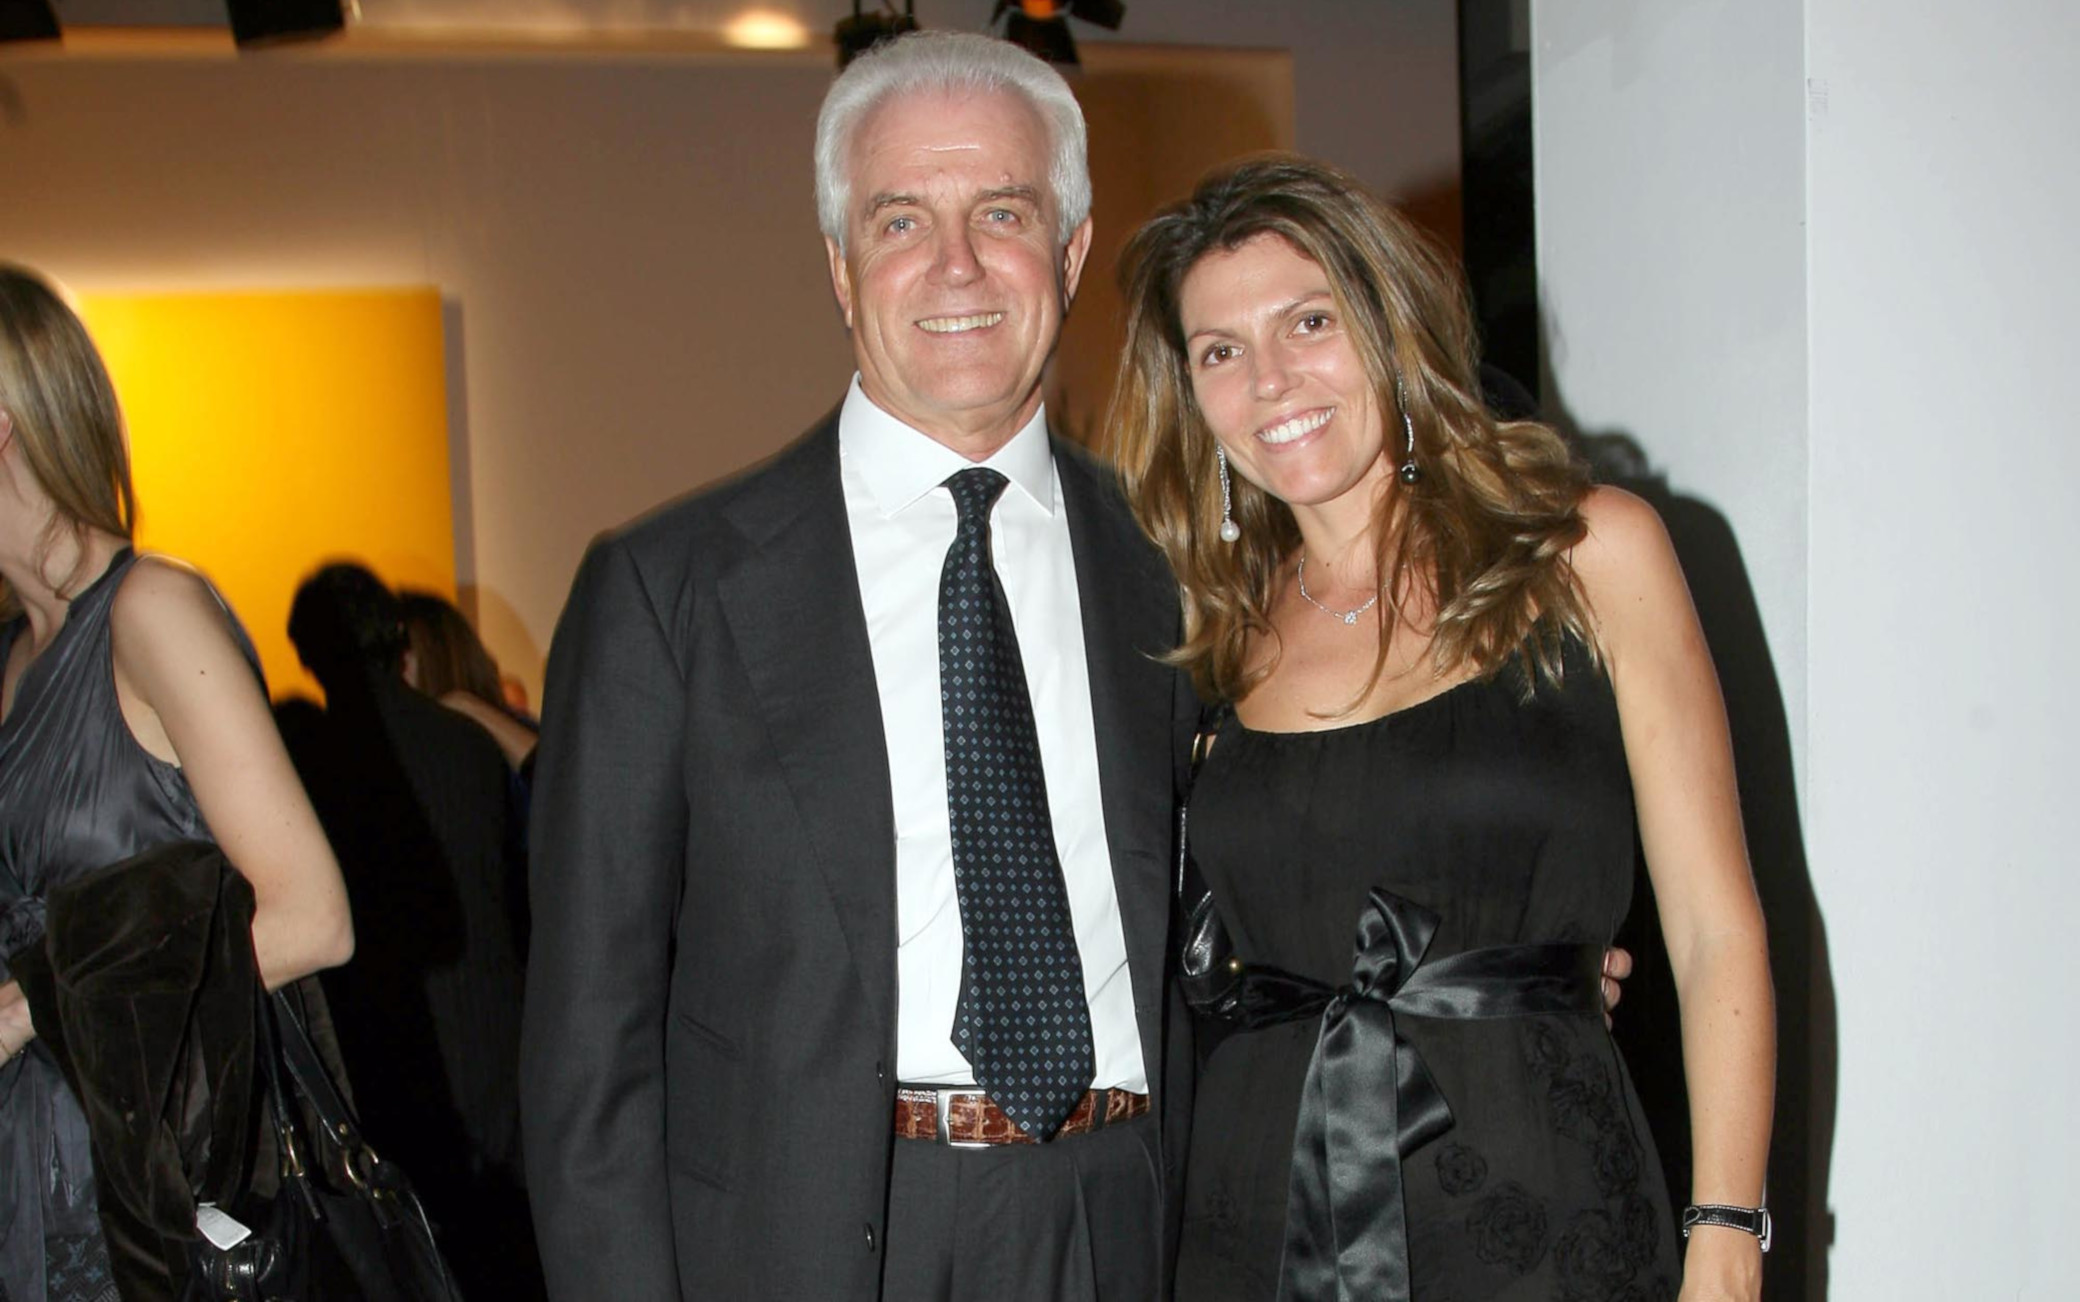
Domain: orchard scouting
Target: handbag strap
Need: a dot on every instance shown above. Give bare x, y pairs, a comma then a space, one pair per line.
307, 1072
1212, 718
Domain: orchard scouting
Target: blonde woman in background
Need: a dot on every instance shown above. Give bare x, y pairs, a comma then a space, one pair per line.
131, 715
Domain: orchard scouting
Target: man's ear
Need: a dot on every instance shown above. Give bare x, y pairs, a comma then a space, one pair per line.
1073, 253
841, 278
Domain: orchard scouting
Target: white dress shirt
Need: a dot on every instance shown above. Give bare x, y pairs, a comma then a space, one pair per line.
902, 522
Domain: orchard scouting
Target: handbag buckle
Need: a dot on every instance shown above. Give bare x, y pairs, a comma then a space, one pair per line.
292, 1159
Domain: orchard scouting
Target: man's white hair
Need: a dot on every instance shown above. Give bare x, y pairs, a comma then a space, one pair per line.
957, 62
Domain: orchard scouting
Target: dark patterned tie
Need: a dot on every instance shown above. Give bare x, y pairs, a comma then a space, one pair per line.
1023, 1022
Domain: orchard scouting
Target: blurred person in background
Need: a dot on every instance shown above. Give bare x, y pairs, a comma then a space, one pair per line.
447, 661
418, 801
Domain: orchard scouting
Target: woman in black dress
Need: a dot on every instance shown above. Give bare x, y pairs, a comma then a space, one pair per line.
1459, 677
131, 715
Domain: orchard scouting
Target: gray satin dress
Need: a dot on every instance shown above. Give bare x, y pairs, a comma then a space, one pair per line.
76, 792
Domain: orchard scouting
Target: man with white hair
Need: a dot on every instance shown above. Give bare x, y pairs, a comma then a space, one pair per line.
854, 798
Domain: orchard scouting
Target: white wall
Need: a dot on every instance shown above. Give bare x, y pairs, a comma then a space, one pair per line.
612, 302
1813, 254
636, 300
1376, 84
1376, 87
1943, 284
1671, 181
637, 297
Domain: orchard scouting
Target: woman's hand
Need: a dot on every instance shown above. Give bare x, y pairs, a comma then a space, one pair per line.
1617, 965
16, 1030
191, 698
1721, 1265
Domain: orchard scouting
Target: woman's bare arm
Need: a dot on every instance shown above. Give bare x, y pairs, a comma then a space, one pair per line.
514, 738
191, 698
1680, 753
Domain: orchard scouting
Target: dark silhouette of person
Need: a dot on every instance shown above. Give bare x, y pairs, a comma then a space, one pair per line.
418, 803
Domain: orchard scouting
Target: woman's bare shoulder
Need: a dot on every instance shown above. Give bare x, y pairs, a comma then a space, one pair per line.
157, 584
1626, 548
167, 613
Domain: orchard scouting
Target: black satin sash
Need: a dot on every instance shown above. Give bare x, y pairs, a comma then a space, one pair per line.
1346, 1222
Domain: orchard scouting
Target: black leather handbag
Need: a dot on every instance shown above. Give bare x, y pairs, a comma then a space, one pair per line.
1214, 981
344, 1225
1225, 993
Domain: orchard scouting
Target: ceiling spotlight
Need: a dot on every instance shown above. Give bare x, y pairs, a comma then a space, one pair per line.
273, 22
1105, 13
28, 20
1042, 26
863, 31
765, 29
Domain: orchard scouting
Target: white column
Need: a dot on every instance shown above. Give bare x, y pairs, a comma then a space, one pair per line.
1945, 722
1816, 257
1671, 180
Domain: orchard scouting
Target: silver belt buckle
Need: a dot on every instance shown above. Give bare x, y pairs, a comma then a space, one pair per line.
946, 1094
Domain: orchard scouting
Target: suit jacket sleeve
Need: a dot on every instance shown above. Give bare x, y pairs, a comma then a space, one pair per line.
609, 830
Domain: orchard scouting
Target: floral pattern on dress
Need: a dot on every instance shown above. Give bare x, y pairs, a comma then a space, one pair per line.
1602, 1252
1509, 1228
76, 1269
1461, 1169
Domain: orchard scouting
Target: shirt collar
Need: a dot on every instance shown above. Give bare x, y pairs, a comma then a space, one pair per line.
899, 464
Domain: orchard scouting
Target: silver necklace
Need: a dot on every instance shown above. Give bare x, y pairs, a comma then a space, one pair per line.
1347, 616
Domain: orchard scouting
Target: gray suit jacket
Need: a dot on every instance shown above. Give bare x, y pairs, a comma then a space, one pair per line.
708, 1062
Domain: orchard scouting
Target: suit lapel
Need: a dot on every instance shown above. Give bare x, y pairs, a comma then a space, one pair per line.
793, 607
1129, 610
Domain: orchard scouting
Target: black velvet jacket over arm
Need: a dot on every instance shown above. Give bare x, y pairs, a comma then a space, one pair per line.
144, 990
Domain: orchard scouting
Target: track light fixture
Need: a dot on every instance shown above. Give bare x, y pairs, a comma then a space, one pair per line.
267, 22
863, 31
28, 20
1105, 13
1042, 26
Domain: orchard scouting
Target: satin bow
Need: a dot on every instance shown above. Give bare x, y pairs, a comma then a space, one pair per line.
1346, 1219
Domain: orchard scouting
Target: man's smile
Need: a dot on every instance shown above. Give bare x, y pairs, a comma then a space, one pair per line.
954, 325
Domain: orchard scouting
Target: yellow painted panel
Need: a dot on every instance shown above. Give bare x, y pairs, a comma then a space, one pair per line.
272, 432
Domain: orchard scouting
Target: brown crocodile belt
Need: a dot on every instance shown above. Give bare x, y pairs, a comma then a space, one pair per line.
962, 1115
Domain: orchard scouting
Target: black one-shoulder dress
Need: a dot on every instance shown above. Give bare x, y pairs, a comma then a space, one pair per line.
1470, 821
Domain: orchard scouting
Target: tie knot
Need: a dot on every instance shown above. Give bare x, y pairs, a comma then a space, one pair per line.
974, 493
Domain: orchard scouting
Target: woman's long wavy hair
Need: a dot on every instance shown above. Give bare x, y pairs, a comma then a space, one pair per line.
1486, 529
63, 408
